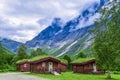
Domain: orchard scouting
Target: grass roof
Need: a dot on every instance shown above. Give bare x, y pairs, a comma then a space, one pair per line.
23, 60
45, 56
41, 57
38, 58
80, 60
64, 61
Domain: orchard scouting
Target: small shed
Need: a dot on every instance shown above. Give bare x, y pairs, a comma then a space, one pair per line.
23, 65
86, 65
47, 64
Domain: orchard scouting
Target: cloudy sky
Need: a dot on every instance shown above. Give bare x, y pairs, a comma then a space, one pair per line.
21, 20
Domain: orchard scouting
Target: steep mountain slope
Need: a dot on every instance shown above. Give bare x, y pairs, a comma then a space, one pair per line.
10, 44
4, 49
69, 38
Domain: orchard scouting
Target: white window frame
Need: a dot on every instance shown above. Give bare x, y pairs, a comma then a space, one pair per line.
25, 65
43, 64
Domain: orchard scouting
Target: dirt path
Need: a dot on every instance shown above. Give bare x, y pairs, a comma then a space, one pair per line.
18, 76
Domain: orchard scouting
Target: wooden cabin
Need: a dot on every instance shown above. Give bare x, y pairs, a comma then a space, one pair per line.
86, 66
48, 65
23, 66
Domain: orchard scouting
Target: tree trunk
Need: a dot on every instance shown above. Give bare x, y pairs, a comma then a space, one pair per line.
109, 75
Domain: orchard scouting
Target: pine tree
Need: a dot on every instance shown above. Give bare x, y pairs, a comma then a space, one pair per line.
66, 57
81, 55
33, 53
22, 54
39, 51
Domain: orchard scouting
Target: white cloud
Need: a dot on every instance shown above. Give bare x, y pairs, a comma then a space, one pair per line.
19, 18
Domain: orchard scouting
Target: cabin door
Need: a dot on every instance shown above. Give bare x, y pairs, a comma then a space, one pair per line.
50, 66
94, 68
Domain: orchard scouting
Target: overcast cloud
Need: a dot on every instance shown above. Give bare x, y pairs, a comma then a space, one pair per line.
19, 18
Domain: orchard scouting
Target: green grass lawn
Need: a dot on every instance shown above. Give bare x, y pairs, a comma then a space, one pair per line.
76, 76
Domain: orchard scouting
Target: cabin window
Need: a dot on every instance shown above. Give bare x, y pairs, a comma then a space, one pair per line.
43, 64
89, 65
50, 63
25, 65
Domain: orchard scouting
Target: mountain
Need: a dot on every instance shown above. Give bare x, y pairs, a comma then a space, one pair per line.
4, 49
69, 38
102, 2
61, 38
10, 44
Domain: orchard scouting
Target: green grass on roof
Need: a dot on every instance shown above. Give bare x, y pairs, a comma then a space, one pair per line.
41, 57
80, 60
64, 61
19, 61
38, 58
44, 56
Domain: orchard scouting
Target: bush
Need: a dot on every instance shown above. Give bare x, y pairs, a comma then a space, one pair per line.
116, 72
7, 68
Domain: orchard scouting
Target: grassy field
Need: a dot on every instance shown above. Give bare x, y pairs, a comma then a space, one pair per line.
71, 76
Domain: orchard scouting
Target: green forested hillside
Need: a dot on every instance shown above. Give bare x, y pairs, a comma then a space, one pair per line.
6, 58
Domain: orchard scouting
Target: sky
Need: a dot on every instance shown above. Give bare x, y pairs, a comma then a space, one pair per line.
22, 20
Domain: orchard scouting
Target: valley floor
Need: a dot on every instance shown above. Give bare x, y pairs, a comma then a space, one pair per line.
76, 76
63, 76
18, 76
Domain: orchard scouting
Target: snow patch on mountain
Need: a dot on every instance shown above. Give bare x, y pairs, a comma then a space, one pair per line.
87, 44
67, 49
61, 44
58, 32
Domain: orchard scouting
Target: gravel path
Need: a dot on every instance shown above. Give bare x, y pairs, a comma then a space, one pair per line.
18, 76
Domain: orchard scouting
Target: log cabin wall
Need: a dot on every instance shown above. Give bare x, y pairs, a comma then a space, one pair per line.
24, 67
62, 67
56, 66
86, 68
45, 65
